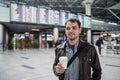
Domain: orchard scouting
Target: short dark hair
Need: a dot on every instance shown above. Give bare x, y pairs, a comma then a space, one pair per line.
74, 20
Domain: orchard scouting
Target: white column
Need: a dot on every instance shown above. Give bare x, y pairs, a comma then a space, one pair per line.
88, 8
89, 35
1, 38
88, 12
40, 40
55, 33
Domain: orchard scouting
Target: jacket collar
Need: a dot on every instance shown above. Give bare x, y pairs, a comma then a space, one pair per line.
63, 45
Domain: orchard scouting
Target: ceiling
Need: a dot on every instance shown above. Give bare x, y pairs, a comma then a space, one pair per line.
107, 10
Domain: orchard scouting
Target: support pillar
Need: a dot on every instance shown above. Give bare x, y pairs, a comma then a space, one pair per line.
88, 12
88, 4
1, 38
55, 33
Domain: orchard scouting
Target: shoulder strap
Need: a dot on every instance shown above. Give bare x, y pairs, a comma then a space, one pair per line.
76, 54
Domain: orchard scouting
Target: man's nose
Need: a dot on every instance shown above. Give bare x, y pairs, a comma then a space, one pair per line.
71, 30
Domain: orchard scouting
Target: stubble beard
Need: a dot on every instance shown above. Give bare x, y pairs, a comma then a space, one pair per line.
73, 39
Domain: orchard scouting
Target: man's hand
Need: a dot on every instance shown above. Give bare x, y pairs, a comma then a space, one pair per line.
59, 68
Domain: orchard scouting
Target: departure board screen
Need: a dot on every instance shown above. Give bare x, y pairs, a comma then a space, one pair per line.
81, 18
23, 13
18, 12
50, 16
56, 17
87, 22
43, 16
30, 14
64, 16
72, 15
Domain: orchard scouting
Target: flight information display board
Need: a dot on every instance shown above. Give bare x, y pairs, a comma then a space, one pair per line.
43, 16
30, 15
72, 15
56, 17
23, 13
64, 16
18, 12
87, 22
81, 18
50, 16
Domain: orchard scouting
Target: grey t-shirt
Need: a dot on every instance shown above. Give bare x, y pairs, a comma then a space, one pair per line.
72, 72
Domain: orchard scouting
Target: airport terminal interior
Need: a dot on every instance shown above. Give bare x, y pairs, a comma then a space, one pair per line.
30, 30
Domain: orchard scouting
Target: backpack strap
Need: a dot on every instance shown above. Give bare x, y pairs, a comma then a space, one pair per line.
76, 54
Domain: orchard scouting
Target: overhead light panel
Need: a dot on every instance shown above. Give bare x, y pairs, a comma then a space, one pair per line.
27, 32
36, 29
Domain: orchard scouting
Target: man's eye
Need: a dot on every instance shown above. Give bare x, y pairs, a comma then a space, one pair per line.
67, 28
74, 28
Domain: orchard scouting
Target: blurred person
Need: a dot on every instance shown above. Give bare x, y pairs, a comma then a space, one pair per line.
58, 42
53, 43
99, 44
80, 68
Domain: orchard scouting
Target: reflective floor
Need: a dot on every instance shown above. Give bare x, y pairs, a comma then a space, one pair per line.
36, 64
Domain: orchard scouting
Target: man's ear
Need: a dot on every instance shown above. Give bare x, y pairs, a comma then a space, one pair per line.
80, 30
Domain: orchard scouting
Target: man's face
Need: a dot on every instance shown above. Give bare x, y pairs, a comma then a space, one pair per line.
72, 30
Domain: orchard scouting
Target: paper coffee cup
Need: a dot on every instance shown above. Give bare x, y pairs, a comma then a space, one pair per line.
63, 60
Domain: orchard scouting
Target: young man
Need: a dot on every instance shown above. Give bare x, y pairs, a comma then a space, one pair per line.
80, 68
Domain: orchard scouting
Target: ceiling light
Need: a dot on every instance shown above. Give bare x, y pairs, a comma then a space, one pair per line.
36, 29
27, 32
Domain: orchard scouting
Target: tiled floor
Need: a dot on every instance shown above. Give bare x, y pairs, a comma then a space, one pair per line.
36, 64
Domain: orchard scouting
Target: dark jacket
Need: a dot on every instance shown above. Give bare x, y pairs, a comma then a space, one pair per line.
88, 59
99, 42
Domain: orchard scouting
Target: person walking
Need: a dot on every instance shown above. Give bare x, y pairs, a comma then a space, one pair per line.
80, 67
99, 44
